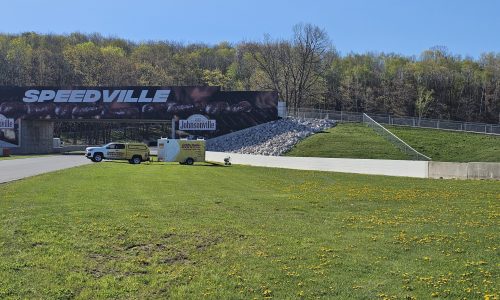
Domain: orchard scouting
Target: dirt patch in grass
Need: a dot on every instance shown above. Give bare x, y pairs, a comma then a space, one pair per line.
180, 257
204, 242
141, 258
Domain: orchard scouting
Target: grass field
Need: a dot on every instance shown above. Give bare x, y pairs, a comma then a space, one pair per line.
114, 230
347, 140
443, 145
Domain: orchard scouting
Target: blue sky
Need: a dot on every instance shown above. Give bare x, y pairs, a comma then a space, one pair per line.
400, 26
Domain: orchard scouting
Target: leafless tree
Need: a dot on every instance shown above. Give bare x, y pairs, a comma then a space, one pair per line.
294, 68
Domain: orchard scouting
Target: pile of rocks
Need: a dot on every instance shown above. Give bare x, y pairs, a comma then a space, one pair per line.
273, 138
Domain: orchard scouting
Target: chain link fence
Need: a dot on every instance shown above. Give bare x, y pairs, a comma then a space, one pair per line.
341, 116
393, 139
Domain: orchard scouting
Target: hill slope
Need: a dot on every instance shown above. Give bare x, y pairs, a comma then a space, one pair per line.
443, 145
347, 140
352, 140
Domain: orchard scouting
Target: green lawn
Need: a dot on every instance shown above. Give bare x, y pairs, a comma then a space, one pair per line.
443, 145
347, 140
114, 230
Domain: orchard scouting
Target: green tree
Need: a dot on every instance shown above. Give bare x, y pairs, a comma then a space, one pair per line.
215, 78
423, 101
86, 62
19, 57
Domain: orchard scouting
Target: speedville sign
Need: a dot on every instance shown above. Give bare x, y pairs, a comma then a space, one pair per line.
6, 123
90, 96
197, 122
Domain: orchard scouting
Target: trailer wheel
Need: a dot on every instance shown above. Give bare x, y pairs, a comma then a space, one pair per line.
189, 161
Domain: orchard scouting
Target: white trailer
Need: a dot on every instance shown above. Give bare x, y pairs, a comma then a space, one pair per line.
181, 150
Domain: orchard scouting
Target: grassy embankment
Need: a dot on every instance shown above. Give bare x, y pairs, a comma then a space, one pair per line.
114, 230
347, 140
443, 145
354, 140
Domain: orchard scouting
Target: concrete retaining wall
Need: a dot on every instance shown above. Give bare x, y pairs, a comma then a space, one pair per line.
472, 170
447, 170
70, 148
406, 168
482, 170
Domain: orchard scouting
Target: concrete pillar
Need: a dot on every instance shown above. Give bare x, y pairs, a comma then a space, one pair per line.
36, 137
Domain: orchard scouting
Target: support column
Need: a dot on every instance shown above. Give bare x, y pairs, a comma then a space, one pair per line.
173, 128
36, 137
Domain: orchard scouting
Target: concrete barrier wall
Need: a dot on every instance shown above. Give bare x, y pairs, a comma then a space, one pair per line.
483, 170
70, 148
406, 168
472, 170
447, 170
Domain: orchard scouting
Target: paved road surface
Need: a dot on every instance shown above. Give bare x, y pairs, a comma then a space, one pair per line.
20, 168
14, 169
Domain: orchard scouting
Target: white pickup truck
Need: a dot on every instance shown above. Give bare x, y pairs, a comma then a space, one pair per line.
135, 153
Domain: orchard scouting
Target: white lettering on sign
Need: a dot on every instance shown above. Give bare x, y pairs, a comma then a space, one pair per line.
91, 96
76, 96
197, 122
6, 123
62, 96
107, 97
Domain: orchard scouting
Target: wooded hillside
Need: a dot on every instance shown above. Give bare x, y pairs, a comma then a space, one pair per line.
306, 70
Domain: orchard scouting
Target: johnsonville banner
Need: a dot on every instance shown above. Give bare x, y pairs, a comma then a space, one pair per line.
230, 110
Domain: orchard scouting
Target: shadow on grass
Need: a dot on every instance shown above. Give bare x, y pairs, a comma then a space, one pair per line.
208, 164
163, 164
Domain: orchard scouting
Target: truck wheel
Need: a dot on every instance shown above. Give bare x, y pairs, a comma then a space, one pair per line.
97, 157
136, 160
189, 161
